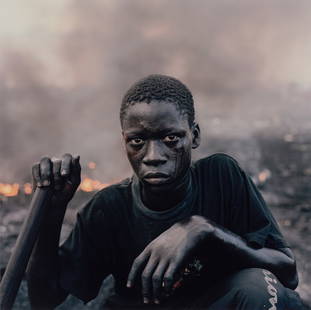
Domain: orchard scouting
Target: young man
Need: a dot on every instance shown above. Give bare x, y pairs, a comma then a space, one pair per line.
175, 234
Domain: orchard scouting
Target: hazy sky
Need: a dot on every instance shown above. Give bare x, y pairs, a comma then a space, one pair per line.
65, 65
39, 28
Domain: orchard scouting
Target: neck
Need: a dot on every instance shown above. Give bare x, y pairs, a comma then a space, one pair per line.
166, 197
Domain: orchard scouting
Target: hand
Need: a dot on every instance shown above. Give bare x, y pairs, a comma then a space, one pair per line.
163, 259
63, 175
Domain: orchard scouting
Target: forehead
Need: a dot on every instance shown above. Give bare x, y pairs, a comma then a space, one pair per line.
154, 116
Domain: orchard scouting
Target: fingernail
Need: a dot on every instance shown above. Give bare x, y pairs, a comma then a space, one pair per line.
146, 300
46, 183
63, 172
157, 301
128, 284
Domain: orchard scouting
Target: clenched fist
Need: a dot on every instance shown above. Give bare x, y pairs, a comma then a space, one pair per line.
62, 175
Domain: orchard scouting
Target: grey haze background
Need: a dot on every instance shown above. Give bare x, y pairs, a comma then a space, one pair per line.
66, 64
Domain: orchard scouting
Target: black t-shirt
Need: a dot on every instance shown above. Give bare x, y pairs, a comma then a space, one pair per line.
115, 226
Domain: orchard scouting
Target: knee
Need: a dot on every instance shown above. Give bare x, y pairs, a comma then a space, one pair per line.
253, 280
256, 284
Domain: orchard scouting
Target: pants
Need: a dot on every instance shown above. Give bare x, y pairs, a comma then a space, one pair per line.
247, 289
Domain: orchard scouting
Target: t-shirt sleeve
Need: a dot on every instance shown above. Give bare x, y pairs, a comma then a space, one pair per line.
86, 257
249, 215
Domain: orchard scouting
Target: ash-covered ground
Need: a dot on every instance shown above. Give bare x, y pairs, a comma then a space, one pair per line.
281, 167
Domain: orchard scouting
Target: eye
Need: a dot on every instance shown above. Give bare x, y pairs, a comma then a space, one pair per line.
137, 142
171, 138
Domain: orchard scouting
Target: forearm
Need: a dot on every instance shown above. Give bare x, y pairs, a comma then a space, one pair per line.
243, 256
43, 268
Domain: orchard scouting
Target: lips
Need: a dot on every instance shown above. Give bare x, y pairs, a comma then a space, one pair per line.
156, 175
156, 178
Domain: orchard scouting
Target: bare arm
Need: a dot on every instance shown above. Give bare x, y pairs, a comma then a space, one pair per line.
43, 269
162, 260
281, 262
44, 266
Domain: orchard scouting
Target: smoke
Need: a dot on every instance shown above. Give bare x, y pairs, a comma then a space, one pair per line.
246, 63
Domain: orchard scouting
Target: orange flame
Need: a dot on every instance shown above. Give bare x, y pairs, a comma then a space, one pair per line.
27, 188
264, 175
90, 185
9, 190
91, 165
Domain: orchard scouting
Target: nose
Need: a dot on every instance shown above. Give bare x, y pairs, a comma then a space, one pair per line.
154, 154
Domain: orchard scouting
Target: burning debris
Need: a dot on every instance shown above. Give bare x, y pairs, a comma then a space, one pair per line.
81, 62
9, 190
88, 184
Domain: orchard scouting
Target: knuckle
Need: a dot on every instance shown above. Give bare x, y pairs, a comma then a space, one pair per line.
56, 169
156, 279
145, 293
45, 159
168, 279
57, 179
145, 276
35, 169
57, 174
67, 155
45, 173
35, 165
56, 161
136, 262
64, 171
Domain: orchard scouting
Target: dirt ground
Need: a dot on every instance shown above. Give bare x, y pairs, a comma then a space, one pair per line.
282, 171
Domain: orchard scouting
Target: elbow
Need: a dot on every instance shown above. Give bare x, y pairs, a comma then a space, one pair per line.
290, 276
293, 282
286, 269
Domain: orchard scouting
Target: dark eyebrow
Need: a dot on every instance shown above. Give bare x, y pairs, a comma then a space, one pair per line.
166, 131
172, 131
133, 132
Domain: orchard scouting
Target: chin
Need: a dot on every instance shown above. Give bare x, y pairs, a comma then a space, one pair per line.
158, 186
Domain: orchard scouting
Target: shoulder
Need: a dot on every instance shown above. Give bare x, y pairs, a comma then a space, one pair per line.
220, 168
106, 202
216, 161
113, 192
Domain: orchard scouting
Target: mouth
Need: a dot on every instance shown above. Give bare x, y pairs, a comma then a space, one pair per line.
156, 178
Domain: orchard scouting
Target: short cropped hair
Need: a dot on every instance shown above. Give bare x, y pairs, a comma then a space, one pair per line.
161, 88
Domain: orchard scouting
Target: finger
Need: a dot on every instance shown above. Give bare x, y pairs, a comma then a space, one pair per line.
146, 280
45, 171
36, 175
66, 165
169, 277
74, 178
58, 182
157, 280
76, 170
138, 265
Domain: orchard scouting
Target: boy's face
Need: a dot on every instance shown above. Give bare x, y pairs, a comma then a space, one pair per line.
158, 142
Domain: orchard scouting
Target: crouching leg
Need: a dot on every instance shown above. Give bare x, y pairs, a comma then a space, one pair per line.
248, 289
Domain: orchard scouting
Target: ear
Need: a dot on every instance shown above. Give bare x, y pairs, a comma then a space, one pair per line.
196, 135
123, 140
